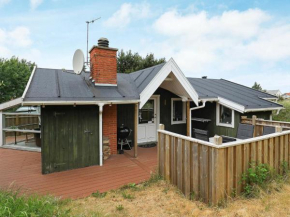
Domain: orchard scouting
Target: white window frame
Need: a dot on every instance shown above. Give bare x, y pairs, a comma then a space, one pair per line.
218, 123
183, 112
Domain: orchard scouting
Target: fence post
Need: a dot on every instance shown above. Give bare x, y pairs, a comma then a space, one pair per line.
278, 129
254, 118
243, 118
160, 168
218, 140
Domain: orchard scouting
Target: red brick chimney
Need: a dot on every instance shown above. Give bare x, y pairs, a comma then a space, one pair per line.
103, 64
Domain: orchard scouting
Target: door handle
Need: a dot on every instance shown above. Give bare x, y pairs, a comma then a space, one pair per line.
87, 131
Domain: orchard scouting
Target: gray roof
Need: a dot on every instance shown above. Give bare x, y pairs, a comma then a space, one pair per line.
58, 85
248, 97
143, 77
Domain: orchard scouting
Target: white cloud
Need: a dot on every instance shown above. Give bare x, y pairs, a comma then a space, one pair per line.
20, 36
201, 43
127, 13
4, 2
17, 42
35, 3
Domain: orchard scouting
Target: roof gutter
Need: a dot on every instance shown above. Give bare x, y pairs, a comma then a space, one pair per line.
265, 109
79, 102
198, 107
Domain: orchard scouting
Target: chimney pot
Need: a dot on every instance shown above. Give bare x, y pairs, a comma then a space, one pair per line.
103, 42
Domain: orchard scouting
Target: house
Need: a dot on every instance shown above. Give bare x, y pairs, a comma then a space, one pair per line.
77, 111
277, 93
286, 96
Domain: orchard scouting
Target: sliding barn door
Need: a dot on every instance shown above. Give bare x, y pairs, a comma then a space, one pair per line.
70, 137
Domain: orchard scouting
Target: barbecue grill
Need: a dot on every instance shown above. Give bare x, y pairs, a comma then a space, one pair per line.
123, 133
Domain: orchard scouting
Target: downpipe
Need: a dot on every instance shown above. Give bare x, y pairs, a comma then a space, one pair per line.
101, 105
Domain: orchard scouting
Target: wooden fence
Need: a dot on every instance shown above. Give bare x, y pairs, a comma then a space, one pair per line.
21, 121
260, 123
213, 171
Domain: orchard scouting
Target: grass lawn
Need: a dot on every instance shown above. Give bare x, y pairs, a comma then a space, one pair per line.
284, 114
152, 198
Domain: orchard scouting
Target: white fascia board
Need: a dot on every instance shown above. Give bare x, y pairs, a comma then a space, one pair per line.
232, 105
11, 103
79, 102
169, 67
264, 109
29, 82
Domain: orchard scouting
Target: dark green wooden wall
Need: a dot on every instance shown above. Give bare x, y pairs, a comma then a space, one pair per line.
65, 145
209, 112
165, 112
126, 114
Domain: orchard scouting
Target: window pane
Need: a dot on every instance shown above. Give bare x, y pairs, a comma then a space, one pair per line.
177, 111
146, 114
225, 115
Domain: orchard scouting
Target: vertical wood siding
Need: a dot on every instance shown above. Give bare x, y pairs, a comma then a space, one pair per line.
65, 145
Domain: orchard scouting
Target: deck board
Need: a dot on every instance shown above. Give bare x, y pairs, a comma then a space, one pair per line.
23, 169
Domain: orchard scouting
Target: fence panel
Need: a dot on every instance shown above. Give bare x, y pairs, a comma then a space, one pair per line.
212, 172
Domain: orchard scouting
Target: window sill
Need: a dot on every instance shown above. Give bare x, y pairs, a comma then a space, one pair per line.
177, 122
225, 125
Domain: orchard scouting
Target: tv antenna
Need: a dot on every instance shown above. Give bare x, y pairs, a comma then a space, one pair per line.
88, 23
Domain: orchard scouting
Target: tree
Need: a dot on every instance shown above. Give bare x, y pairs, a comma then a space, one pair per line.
14, 75
129, 62
257, 86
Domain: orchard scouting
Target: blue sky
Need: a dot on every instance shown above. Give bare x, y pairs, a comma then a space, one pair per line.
243, 41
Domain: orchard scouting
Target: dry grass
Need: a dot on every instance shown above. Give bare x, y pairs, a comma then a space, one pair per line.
163, 199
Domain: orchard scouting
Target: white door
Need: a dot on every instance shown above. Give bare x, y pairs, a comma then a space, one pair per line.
147, 126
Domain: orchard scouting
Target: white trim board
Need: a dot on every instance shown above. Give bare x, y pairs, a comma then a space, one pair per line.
1, 129
11, 103
169, 67
28, 83
231, 105
183, 121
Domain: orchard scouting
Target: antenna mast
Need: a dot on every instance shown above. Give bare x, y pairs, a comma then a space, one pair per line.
88, 22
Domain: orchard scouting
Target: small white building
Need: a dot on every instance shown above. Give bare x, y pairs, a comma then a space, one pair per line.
277, 93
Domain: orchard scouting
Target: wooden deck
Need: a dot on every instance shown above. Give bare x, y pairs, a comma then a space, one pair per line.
23, 169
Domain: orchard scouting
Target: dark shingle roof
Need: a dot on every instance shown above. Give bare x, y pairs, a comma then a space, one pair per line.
248, 97
143, 77
58, 85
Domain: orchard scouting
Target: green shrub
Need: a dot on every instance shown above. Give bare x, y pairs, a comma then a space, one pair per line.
127, 196
260, 176
129, 186
256, 175
14, 204
120, 207
99, 195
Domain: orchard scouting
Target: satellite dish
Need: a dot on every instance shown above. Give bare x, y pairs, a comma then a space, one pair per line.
78, 61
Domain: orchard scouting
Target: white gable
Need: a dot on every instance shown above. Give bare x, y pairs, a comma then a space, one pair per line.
170, 77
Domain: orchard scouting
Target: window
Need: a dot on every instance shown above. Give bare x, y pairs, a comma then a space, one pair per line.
177, 111
146, 113
225, 116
